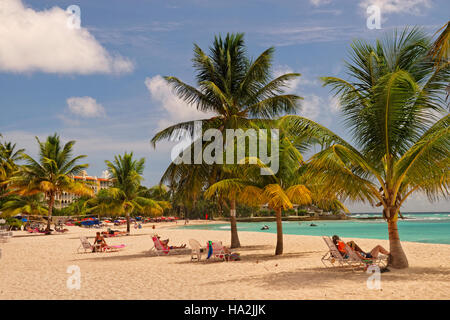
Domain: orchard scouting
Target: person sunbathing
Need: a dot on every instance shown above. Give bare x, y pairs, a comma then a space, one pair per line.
165, 243
373, 254
99, 243
60, 228
113, 233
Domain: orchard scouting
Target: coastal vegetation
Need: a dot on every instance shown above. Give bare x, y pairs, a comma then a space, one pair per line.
50, 175
395, 107
125, 194
394, 104
239, 93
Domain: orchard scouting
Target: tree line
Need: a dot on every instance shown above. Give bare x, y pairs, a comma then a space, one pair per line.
394, 103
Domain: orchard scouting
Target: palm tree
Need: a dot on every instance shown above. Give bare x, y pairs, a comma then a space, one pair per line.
392, 105
125, 195
237, 90
188, 182
158, 192
280, 190
31, 205
100, 204
8, 162
51, 175
78, 207
440, 51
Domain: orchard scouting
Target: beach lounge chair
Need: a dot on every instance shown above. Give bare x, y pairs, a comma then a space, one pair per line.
196, 253
333, 257
356, 260
215, 250
162, 249
5, 236
114, 248
85, 245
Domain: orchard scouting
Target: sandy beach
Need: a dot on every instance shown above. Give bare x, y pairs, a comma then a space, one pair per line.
35, 267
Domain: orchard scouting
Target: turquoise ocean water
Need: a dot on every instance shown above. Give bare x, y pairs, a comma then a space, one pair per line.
418, 227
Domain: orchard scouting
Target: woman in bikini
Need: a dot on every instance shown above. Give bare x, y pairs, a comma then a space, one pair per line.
99, 243
362, 254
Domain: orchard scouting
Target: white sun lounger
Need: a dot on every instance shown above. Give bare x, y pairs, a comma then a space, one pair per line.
5, 236
196, 253
381, 261
85, 245
333, 257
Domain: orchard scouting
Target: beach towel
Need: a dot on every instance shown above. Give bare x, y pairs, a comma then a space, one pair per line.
118, 246
235, 256
210, 249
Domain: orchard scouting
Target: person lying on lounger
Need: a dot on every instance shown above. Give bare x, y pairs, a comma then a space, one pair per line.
166, 244
60, 228
362, 254
112, 233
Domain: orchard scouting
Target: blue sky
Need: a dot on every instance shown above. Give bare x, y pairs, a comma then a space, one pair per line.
101, 85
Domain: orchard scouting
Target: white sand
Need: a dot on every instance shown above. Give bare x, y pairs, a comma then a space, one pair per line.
35, 267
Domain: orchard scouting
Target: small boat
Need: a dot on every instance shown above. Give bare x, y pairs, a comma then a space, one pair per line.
313, 225
266, 227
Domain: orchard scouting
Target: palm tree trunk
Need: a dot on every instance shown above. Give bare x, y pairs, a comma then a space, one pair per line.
279, 248
234, 234
128, 222
51, 202
397, 257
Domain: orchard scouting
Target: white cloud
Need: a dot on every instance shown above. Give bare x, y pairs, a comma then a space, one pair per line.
297, 83
335, 12
398, 6
311, 106
85, 107
318, 3
283, 69
320, 109
334, 104
42, 41
176, 109
289, 34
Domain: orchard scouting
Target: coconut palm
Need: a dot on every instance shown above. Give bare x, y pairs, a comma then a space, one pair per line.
78, 207
100, 204
236, 90
159, 192
125, 195
31, 205
440, 51
278, 190
394, 105
9, 156
51, 175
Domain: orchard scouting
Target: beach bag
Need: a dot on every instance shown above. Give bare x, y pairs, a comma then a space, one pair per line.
235, 256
